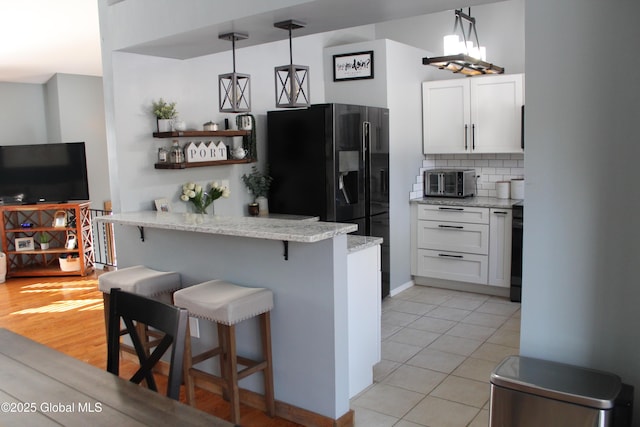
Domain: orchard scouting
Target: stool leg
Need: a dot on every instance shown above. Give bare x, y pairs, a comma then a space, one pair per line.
223, 357
188, 361
265, 333
232, 379
106, 298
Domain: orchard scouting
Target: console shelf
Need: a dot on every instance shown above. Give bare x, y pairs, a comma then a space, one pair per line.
33, 261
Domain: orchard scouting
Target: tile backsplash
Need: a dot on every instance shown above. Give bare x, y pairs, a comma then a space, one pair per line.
489, 167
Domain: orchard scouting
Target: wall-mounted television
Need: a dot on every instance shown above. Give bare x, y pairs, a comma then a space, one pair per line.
51, 173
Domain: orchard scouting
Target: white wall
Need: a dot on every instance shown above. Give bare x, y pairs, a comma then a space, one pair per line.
138, 80
79, 116
581, 251
23, 118
68, 108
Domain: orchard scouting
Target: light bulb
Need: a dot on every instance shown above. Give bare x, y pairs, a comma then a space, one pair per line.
451, 44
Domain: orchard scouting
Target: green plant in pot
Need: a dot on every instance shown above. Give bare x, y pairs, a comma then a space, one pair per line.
45, 238
258, 184
165, 113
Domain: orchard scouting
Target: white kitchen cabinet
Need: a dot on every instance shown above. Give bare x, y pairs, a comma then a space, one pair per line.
458, 266
462, 244
451, 243
475, 115
500, 247
364, 307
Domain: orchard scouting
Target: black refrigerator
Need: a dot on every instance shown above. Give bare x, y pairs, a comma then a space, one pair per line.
332, 161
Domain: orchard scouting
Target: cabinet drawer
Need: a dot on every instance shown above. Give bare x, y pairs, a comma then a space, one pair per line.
454, 213
452, 266
454, 236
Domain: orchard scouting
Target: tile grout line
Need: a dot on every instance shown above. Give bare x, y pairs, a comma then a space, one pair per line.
447, 296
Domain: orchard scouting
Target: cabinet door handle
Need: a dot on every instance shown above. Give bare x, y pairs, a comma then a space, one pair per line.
500, 212
457, 227
473, 137
450, 256
451, 209
466, 131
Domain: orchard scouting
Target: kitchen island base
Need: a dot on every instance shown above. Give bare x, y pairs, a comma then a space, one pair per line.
310, 319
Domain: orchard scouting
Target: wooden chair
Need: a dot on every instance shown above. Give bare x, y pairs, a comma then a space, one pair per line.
168, 319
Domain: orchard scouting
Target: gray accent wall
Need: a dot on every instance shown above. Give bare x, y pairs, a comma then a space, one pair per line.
581, 271
68, 108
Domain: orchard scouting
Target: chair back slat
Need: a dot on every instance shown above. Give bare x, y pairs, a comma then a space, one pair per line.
165, 318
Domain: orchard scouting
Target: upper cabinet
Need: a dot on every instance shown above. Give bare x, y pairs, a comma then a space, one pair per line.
473, 115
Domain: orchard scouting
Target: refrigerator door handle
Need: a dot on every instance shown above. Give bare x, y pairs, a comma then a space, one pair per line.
366, 139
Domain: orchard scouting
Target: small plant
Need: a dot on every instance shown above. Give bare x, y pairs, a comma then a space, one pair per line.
45, 238
163, 110
257, 183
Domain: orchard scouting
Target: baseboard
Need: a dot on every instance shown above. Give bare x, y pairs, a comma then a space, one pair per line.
256, 400
395, 291
462, 286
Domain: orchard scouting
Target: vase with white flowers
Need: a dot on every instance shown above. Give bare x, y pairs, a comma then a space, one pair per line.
201, 199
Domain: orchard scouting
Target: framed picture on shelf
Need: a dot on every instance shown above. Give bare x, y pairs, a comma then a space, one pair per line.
24, 244
353, 66
163, 205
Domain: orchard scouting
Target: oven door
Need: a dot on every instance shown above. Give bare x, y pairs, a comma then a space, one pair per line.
432, 183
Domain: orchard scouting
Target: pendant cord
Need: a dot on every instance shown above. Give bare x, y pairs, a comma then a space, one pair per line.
233, 49
290, 48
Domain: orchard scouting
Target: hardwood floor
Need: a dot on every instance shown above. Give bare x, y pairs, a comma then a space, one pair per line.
65, 313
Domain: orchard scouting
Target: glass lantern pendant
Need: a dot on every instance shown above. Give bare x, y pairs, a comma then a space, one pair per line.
292, 81
234, 89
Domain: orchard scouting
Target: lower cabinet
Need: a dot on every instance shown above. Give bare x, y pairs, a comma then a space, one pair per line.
463, 244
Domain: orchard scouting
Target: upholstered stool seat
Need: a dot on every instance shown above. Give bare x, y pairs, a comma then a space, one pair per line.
142, 281
228, 304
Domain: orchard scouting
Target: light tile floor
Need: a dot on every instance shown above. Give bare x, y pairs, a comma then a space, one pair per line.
438, 350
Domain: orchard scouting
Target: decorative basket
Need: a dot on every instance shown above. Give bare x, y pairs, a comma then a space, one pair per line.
69, 264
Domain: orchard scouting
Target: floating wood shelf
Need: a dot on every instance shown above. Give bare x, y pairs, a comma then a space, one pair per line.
201, 164
200, 133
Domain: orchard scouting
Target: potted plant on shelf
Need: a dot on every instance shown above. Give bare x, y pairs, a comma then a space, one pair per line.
258, 184
44, 241
165, 114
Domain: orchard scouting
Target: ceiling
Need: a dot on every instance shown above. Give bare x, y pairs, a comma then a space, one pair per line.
45, 37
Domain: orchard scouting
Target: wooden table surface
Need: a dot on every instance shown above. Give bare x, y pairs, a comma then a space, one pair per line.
41, 386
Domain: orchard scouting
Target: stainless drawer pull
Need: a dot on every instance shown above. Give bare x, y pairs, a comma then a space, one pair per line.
450, 256
457, 227
451, 209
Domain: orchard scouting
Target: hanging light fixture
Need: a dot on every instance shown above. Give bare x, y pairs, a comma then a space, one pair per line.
234, 89
462, 56
292, 81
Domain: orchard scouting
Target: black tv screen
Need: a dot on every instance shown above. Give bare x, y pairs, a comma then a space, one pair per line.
50, 173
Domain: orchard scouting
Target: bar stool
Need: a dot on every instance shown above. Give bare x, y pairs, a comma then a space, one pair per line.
139, 280
228, 304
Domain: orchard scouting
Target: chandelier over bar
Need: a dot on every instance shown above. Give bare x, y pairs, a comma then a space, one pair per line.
292, 81
462, 56
234, 89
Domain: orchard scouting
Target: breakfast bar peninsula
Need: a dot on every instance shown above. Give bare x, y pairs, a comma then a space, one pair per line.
325, 323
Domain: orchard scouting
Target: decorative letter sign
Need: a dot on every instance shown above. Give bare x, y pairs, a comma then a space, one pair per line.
205, 152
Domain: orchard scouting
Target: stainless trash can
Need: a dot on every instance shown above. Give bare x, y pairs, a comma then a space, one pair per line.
527, 392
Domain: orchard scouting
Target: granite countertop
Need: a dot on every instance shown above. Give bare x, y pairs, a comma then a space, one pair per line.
254, 227
481, 202
357, 243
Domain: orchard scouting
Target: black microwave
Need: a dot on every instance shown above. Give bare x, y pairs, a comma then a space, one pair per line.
450, 182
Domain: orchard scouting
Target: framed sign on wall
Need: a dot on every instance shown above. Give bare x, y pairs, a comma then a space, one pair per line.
353, 66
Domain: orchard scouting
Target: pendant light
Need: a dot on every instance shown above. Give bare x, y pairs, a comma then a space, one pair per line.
462, 56
234, 89
292, 81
